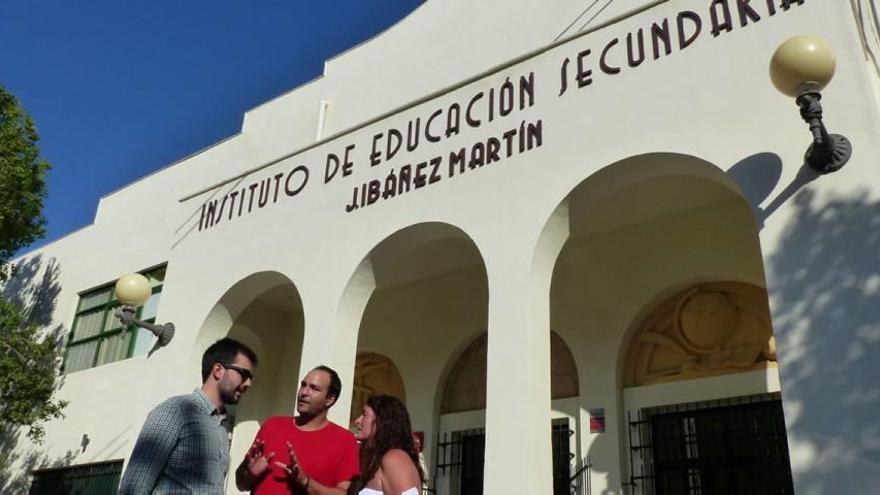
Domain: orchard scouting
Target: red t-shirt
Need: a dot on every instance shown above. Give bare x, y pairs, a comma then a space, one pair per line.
328, 456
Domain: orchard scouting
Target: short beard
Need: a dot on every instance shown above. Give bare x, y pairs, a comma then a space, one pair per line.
307, 414
227, 395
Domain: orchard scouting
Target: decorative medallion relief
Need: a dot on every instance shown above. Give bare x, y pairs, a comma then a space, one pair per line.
707, 330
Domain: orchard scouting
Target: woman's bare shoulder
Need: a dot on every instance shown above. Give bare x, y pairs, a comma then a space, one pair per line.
399, 473
396, 458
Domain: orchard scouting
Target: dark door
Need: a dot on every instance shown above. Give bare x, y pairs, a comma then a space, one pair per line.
734, 449
473, 451
561, 457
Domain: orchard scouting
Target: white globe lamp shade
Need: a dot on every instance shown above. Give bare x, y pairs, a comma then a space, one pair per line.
802, 63
133, 289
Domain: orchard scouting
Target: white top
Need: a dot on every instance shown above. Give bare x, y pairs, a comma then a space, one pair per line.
370, 491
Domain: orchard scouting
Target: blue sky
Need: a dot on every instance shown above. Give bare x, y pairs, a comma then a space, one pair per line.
119, 89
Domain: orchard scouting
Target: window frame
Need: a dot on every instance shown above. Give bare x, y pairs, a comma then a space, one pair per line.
100, 474
108, 309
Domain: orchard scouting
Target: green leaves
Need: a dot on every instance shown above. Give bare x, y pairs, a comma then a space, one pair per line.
22, 181
28, 355
28, 367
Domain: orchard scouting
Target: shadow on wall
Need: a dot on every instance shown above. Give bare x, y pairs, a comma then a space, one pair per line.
757, 176
34, 287
17, 463
825, 291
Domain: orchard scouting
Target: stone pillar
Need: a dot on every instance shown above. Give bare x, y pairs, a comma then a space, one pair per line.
518, 440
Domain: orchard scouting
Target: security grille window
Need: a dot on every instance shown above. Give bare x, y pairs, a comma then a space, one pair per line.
101, 478
461, 455
561, 433
735, 446
98, 337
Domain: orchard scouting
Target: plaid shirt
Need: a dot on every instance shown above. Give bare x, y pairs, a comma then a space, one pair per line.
183, 448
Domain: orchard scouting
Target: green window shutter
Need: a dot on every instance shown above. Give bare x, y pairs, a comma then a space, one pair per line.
98, 337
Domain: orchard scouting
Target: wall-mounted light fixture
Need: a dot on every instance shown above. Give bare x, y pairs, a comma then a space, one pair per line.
801, 67
132, 291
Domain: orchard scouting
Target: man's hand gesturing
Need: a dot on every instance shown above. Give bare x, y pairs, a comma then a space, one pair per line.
257, 463
295, 475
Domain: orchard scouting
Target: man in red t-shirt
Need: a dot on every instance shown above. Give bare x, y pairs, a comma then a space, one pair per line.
306, 454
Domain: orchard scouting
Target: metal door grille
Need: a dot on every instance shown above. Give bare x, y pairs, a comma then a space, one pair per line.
461, 455
562, 456
732, 446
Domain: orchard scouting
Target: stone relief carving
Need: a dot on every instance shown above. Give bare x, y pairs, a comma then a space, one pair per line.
709, 329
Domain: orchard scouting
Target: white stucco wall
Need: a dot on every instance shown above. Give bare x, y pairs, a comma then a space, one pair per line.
713, 101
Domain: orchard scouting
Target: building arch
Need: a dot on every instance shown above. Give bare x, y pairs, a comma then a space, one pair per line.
265, 312
416, 252
635, 229
374, 374
236, 299
416, 296
464, 386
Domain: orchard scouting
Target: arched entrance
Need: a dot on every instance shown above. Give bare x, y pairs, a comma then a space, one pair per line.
423, 290
709, 350
638, 232
461, 442
265, 312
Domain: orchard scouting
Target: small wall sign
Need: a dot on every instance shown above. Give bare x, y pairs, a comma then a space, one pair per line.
597, 420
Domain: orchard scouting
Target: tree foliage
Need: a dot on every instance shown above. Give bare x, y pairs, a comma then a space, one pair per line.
27, 373
22, 181
28, 360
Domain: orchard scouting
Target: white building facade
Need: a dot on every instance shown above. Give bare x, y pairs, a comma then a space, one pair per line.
579, 241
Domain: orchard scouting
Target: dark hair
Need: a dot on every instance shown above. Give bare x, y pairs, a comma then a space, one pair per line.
335, 383
393, 431
224, 351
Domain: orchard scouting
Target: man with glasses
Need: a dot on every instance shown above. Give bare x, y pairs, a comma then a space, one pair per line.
184, 445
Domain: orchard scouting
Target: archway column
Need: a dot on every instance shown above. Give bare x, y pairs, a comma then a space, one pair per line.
518, 441
333, 335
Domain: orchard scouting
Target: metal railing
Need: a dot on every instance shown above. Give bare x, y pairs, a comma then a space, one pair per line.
580, 480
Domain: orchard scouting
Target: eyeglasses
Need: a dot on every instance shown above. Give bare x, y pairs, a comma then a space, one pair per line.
244, 372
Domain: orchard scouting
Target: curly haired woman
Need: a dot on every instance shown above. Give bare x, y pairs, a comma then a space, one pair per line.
389, 461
